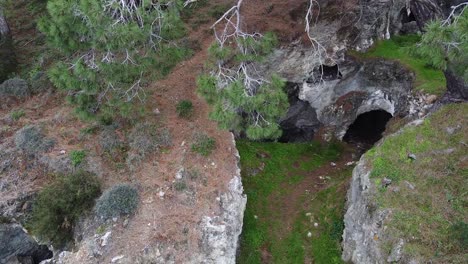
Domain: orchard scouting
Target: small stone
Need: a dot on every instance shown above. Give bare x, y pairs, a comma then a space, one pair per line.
409, 185
412, 156
397, 252
451, 130
218, 199
114, 219
183, 143
333, 164
180, 174
156, 111
309, 234
316, 224
255, 216
351, 163
386, 182
117, 259
213, 164
308, 214
105, 239
62, 152
125, 223
161, 194
431, 99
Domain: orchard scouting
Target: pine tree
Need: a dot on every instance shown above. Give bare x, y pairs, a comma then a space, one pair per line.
243, 100
445, 43
108, 47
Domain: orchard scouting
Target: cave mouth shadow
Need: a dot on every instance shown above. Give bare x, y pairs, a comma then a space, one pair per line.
367, 129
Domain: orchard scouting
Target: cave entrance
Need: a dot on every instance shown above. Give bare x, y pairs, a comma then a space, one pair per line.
367, 129
405, 17
325, 73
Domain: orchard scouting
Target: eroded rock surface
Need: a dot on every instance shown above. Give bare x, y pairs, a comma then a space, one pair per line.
16, 246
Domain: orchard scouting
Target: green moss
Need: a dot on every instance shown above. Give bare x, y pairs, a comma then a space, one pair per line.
272, 172
433, 187
428, 79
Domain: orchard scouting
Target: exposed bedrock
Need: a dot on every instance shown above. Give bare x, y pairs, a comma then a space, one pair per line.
16, 246
336, 99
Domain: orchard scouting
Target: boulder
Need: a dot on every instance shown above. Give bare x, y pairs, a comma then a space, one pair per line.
16, 246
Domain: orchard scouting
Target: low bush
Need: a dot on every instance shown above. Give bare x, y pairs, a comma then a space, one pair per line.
203, 144
31, 140
15, 87
77, 157
59, 206
110, 143
185, 109
146, 138
121, 199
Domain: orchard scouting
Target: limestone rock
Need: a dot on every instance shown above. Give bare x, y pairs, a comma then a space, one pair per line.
15, 242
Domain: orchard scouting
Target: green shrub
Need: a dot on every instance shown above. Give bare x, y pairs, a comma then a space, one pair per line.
180, 185
60, 204
31, 140
118, 200
185, 109
17, 114
77, 157
203, 144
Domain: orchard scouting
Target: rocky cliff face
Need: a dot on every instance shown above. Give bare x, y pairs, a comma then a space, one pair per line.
363, 222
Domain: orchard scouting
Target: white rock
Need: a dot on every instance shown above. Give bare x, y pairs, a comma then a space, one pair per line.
105, 239
161, 194
333, 164
316, 224
309, 234
62, 152
180, 174
117, 259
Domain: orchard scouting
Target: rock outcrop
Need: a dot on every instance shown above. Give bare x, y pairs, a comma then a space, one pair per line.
16, 246
363, 222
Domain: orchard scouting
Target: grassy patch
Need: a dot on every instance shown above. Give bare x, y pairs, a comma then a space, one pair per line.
272, 174
17, 114
77, 157
432, 199
428, 79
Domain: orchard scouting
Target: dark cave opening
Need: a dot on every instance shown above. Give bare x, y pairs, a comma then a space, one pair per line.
325, 73
405, 17
367, 129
